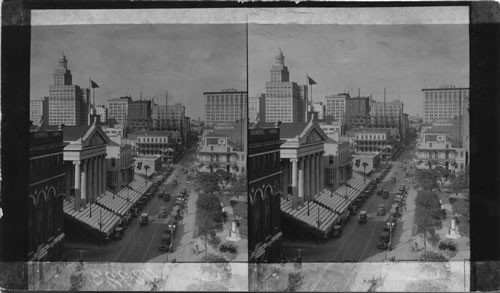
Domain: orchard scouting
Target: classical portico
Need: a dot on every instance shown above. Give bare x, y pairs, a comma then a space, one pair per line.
302, 166
85, 161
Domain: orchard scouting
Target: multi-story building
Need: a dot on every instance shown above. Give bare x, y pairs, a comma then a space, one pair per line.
445, 102
285, 100
147, 165
320, 108
102, 111
371, 140
387, 114
357, 112
114, 132
337, 162
139, 115
257, 108
68, 104
169, 117
265, 191
437, 148
39, 111
224, 107
218, 152
46, 193
160, 144
335, 109
119, 164
334, 130
118, 110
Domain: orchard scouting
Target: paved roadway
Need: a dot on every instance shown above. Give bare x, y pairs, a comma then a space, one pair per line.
358, 241
140, 243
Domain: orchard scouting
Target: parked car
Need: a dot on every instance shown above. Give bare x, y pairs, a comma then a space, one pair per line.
166, 197
381, 210
385, 194
385, 240
144, 219
161, 194
363, 217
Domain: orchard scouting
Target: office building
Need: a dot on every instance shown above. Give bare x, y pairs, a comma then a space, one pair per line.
320, 108
218, 152
118, 110
170, 118
373, 140
357, 112
224, 107
445, 102
119, 164
102, 111
387, 114
285, 100
139, 115
257, 108
39, 111
335, 109
337, 160
68, 104
265, 191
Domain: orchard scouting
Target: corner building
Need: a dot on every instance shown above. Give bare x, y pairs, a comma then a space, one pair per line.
265, 190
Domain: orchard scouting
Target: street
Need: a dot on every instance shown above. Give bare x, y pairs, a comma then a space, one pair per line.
359, 241
139, 243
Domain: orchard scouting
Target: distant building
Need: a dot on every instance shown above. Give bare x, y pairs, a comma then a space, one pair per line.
102, 111
224, 107
47, 181
257, 108
170, 118
161, 144
387, 114
446, 102
285, 100
139, 115
365, 163
111, 132
118, 110
371, 140
337, 161
119, 164
320, 108
437, 148
335, 109
68, 104
357, 112
39, 111
265, 191
218, 151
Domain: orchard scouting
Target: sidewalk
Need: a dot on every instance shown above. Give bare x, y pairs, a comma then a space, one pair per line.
184, 242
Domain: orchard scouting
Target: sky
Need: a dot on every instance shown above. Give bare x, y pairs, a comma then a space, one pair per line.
183, 59
403, 58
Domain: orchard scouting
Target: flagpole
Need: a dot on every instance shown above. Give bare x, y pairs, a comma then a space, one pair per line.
88, 102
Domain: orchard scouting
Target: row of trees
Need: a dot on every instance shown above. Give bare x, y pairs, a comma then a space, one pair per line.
428, 214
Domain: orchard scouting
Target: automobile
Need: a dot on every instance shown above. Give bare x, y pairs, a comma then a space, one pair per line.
166, 197
353, 210
380, 191
398, 200
385, 194
165, 242
163, 212
117, 233
174, 182
385, 241
161, 194
337, 231
381, 210
363, 217
158, 182
133, 212
144, 219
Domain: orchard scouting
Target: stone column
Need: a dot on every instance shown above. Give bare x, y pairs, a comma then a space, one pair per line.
84, 183
307, 178
67, 187
316, 174
285, 174
321, 171
295, 174
99, 176
104, 174
318, 171
95, 179
312, 159
77, 185
301, 181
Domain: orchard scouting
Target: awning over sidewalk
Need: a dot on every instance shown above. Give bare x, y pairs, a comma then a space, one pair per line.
327, 218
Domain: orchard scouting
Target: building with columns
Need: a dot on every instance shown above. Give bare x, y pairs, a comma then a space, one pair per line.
265, 191
85, 163
301, 161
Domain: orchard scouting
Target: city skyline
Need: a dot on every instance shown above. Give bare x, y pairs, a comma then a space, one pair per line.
128, 59
402, 58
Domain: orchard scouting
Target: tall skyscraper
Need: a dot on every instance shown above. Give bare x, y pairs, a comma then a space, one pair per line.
225, 107
320, 108
139, 115
256, 106
102, 111
68, 103
443, 103
118, 110
284, 98
387, 114
336, 108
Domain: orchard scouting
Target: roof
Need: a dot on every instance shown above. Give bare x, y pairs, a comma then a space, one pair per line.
289, 130
446, 89
72, 133
330, 140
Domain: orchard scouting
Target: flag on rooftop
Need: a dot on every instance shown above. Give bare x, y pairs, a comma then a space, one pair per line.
310, 80
94, 84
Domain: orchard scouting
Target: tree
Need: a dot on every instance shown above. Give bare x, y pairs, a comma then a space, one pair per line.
426, 179
428, 214
441, 175
459, 182
208, 182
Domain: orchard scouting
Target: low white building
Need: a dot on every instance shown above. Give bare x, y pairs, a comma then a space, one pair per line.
220, 153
